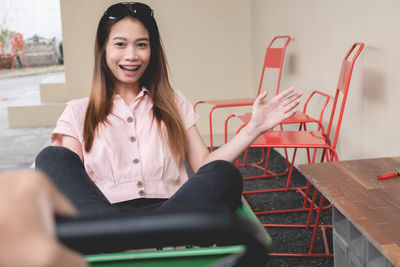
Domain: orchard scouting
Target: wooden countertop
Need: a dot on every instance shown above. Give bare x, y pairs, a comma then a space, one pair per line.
372, 206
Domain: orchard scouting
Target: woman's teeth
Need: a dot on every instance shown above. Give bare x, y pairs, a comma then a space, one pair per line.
129, 68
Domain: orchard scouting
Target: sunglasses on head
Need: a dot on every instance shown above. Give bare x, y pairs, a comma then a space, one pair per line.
121, 10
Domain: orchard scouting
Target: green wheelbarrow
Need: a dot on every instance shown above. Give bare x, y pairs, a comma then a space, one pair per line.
219, 237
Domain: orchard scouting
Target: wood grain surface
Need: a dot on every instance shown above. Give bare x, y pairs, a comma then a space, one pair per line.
372, 206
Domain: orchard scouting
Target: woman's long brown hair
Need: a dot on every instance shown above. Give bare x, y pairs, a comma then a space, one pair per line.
155, 79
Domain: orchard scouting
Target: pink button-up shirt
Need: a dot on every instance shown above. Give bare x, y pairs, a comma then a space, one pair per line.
128, 159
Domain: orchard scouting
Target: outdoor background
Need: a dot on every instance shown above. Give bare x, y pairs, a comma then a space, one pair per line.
39, 22
215, 50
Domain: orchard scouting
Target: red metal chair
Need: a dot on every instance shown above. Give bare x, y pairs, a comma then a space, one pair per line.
311, 140
17, 46
1, 53
300, 117
273, 59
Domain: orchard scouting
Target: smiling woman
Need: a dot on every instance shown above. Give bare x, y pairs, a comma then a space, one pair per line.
124, 147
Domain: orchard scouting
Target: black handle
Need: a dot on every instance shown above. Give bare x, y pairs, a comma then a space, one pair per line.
203, 226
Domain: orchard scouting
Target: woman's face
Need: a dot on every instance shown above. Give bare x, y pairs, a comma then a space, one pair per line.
128, 52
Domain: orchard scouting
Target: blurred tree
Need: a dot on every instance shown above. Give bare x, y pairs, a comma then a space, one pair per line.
4, 31
4, 35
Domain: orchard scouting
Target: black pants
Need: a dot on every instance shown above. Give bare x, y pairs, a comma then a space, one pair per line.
216, 183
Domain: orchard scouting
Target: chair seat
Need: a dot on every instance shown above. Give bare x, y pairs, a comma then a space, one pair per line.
298, 117
245, 117
293, 139
231, 102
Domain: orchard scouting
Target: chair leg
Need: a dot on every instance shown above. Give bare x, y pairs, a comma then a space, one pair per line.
315, 227
304, 191
287, 186
12, 62
267, 173
25, 62
260, 162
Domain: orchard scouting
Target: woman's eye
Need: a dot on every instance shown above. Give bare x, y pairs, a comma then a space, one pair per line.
142, 44
119, 44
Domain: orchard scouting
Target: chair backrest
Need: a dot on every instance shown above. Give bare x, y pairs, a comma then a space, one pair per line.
17, 42
1, 49
274, 59
343, 88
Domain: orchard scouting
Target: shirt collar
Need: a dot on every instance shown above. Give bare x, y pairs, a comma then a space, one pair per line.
142, 92
120, 107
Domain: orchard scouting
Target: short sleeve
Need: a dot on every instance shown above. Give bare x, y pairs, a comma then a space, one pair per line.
70, 122
189, 116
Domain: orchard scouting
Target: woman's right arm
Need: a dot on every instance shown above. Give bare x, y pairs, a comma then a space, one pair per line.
72, 144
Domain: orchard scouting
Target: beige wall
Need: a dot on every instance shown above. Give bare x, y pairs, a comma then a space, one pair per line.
323, 31
216, 52
208, 47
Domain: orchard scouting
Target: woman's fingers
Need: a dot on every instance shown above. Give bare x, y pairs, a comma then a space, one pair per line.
28, 235
261, 97
286, 101
61, 205
292, 104
292, 98
63, 256
284, 97
285, 93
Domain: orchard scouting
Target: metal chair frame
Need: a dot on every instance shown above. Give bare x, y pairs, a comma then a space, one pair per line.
300, 118
310, 140
17, 44
274, 57
1, 53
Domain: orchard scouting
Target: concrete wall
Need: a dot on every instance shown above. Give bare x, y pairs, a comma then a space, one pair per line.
323, 31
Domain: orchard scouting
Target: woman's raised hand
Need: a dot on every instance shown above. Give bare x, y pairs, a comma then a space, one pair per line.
267, 114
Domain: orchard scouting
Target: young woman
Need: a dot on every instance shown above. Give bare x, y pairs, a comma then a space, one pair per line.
124, 147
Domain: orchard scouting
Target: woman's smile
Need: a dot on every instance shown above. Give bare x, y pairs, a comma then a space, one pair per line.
130, 70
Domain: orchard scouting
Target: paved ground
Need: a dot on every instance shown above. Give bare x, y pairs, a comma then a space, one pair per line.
18, 147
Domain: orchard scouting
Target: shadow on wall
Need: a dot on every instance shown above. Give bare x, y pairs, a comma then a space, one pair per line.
373, 81
292, 63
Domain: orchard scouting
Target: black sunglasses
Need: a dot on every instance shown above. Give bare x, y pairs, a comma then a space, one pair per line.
121, 10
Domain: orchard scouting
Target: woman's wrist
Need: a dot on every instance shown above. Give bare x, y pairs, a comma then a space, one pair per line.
251, 130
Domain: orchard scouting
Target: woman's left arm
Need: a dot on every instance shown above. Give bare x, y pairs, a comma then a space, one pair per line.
266, 114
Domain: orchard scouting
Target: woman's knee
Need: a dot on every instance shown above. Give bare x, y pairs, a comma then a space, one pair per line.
222, 167
54, 153
224, 173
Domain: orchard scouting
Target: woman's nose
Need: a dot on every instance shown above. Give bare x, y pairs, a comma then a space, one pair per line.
131, 53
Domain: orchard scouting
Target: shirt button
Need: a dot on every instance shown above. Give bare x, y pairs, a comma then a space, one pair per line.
129, 119
141, 193
139, 184
132, 139
136, 161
